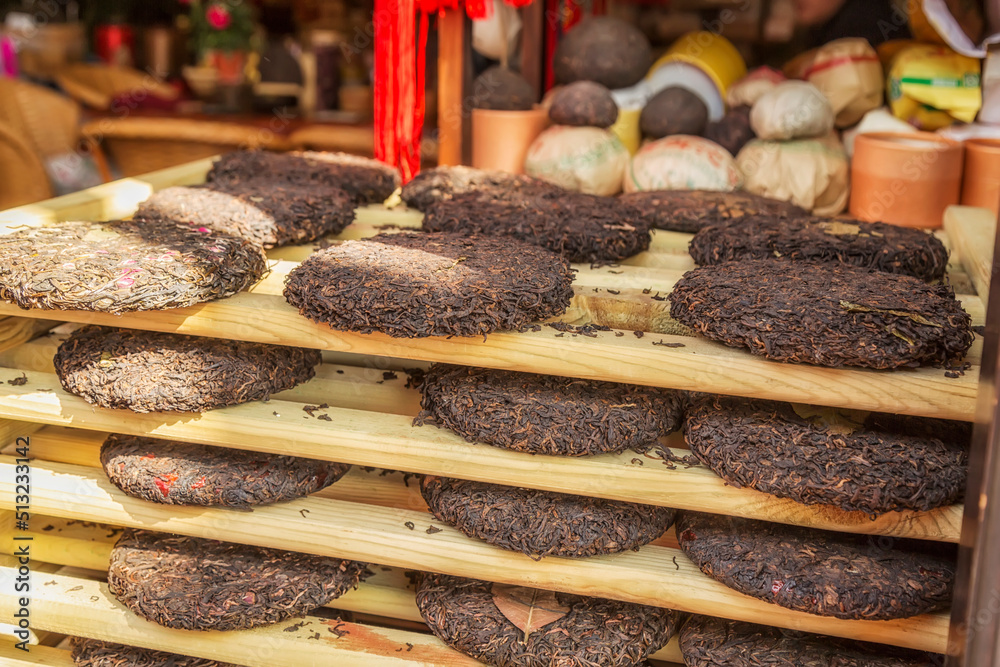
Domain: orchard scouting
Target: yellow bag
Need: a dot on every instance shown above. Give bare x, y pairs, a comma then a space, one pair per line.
932, 86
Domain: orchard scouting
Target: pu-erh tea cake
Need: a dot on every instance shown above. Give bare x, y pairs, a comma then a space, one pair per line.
267, 213
872, 245
368, 181
713, 642
818, 571
690, 210
543, 523
442, 183
411, 285
182, 473
145, 371
95, 653
580, 227
856, 461
543, 414
824, 314
124, 266
512, 626
189, 583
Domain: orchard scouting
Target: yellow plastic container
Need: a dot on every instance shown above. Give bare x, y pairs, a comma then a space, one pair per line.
713, 54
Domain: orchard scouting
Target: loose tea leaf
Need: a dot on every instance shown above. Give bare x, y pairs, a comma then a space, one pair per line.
710, 642
145, 371
196, 584
209, 475
690, 210
442, 183
367, 181
870, 245
595, 631
529, 609
820, 572
545, 414
259, 210
872, 463
795, 312
119, 267
415, 285
580, 227
543, 523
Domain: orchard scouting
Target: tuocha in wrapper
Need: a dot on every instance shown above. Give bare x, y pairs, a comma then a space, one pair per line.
682, 162
585, 159
749, 89
931, 87
792, 110
811, 173
848, 72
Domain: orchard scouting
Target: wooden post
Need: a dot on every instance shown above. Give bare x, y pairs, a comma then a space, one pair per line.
532, 35
451, 88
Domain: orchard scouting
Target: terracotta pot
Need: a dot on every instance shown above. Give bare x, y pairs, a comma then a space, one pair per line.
500, 139
981, 182
229, 65
905, 179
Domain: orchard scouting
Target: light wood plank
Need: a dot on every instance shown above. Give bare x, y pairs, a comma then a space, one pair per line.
971, 232
390, 441
38, 656
652, 575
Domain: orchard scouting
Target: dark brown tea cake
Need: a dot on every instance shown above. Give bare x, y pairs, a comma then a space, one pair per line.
512, 626
411, 285
855, 461
190, 583
124, 266
96, 653
580, 227
542, 523
824, 314
713, 642
183, 473
442, 183
871, 245
145, 371
690, 210
543, 414
267, 213
820, 572
368, 181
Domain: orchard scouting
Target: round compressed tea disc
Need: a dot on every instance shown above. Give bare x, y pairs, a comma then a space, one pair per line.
368, 181
580, 227
608, 50
95, 653
827, 314
190, 583
125, 266
145, 371
440, 183
182, 473
510, 626
269, 214
872, 245
543, 414
856, 461
543, 523
820, 572
713, 642
411, 285
690, 210
583, 103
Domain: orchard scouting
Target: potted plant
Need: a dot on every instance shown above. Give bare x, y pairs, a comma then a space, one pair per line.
223, 31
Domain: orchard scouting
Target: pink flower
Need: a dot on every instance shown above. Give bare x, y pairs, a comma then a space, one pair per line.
218, 17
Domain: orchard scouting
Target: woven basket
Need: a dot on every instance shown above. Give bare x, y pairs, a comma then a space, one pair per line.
141, 145
96, 86
22, 176
47, 121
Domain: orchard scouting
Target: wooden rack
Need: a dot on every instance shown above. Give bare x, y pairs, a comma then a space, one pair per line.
368, 517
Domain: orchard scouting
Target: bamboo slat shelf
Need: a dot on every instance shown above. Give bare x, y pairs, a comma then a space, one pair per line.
365, 516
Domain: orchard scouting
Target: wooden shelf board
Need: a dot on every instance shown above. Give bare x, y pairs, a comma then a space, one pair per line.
652, 575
